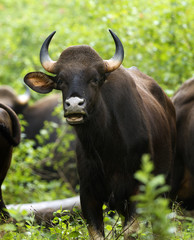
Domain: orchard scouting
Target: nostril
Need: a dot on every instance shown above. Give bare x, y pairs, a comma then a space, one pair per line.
67, 104
81, 103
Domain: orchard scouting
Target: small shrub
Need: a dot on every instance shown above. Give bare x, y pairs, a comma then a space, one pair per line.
153, 209
27, 167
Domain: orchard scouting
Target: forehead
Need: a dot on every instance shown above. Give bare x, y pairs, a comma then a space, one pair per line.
80, 62
78, 55
77, 71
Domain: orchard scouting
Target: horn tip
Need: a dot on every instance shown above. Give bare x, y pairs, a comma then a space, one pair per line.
110, 31
113, 34
53, 33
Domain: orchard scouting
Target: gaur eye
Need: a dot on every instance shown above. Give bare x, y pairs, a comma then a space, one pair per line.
59, 81
95, 80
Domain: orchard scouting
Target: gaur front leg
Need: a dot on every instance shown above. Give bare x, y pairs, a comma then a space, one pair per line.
129, 220
4, 215
93, 213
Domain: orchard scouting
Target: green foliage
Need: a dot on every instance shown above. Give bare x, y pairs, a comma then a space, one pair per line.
151, 206
64, 226
69, 226
157, 36
24, 181
156, 219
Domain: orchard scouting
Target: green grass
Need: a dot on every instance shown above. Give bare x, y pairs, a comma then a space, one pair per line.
156, 220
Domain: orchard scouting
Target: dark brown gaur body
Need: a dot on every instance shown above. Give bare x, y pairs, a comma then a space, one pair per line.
34, 114
183, 101
118, 115
9, 137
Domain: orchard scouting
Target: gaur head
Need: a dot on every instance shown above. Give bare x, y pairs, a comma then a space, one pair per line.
79, 74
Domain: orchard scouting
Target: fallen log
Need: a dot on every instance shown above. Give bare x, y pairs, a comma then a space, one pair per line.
43, 211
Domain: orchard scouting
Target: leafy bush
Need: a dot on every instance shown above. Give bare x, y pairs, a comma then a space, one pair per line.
151, 206
157, 36
156, 219
27, 163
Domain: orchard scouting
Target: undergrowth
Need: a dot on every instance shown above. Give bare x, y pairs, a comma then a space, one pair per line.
156, 220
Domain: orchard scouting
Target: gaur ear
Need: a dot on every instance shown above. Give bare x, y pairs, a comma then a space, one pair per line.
40, 82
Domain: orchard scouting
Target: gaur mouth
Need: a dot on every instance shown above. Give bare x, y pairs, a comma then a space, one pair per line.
75, 118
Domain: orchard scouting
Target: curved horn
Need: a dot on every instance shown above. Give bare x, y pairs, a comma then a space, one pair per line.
116, 60
47, 63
